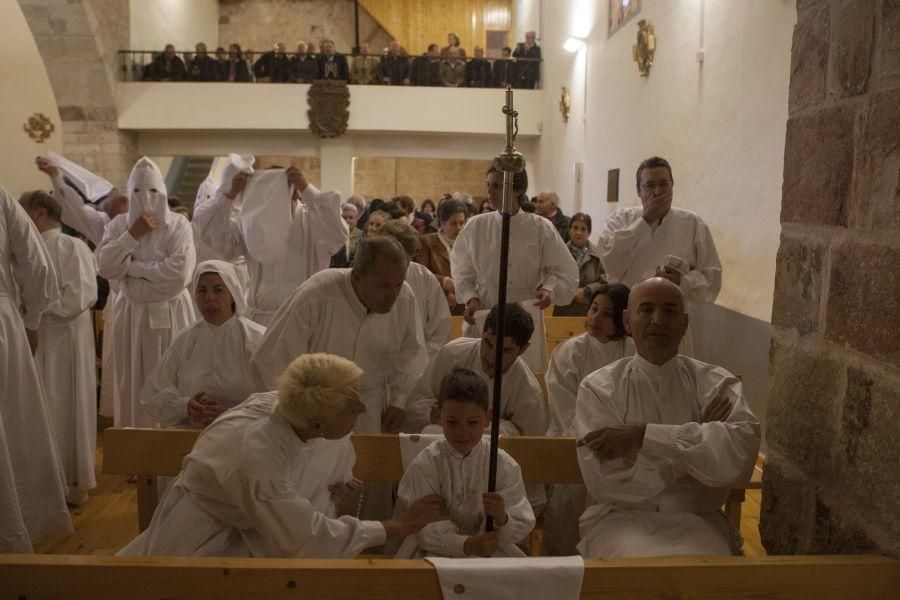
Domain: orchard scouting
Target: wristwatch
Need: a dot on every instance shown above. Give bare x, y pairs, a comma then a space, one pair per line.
587, 291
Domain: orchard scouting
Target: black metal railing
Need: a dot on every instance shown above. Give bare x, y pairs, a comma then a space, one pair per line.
151, 65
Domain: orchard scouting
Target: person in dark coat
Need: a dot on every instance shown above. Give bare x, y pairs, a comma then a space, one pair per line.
529, 70
202, 65
394, 68
168, 66
331, 64
505, 70
426, 69
304, 68
478, 70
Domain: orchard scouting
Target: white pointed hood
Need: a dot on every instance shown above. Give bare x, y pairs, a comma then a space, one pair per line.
147, 192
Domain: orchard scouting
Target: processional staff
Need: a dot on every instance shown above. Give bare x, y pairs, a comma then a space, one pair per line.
508, 162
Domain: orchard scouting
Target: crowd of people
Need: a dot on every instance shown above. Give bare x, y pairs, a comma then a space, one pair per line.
447, 66
239, 323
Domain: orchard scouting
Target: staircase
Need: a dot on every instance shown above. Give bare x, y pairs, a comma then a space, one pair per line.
185, 176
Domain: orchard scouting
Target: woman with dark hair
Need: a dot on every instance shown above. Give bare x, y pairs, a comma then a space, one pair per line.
434, 252
237, 69
604, 342
590, 270
427, 207
485, 206
453, 42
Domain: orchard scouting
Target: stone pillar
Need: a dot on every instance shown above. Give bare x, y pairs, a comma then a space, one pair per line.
832, 475
336, 156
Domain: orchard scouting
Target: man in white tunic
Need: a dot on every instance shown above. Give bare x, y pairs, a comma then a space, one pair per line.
150, 253
367, 314
262, 480
433, 309
65, 356
662, 437
540, 265
285, 236
656, 239
32, 484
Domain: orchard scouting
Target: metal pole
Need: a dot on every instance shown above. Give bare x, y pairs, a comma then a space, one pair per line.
509, 162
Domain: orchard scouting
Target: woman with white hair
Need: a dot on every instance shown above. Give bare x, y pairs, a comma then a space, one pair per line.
206, 370
261, 481
149, 252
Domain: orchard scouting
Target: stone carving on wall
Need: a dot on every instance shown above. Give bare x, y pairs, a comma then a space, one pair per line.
643, 51
38, 127
328, 100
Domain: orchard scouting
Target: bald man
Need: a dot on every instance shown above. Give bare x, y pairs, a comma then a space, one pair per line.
662, 438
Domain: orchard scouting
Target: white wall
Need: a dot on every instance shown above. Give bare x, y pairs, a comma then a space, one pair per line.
26, 90
155, 23
720, 123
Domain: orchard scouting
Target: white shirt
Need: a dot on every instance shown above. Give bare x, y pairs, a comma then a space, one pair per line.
461, 481
571, 362
631, 250
684, 466
522, 404
538, 258
252, 487
433, 308
202, 358
325, 315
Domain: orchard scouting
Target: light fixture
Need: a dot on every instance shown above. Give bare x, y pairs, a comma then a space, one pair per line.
573, 44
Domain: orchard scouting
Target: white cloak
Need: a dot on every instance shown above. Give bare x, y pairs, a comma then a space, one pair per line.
66, 363
461, 481
325, 315
32, 484
315, 234
252, 488
665, 501
433, 309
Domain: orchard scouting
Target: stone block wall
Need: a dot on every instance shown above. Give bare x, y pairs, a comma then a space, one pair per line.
420, 178
832, 474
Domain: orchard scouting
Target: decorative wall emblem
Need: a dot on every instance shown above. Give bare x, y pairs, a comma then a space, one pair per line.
328, 100
645, 48
38, 127
565, 104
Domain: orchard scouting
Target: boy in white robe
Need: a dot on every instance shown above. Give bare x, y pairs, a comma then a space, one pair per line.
433, 308
65, 356
540, 265
150, 253
261, 481
284, 237
662, 437
32, 484
604, 342
456, 469
206, 369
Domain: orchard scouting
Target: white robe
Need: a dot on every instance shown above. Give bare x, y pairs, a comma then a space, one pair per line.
66, 363
315, 234
521, 405
666, 500
325, 315
202, 358
461, 481
251, 487
538, 258
32, 484
571, 362
432, 303
153, 305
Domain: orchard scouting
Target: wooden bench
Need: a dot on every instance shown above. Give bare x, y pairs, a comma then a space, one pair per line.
149, 453
557, 329
31, 577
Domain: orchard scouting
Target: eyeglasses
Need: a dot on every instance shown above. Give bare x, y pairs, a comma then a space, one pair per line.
652, 186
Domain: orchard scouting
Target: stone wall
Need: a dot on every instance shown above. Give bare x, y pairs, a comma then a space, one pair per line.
421, 178
78, 41
257, 24
832, 480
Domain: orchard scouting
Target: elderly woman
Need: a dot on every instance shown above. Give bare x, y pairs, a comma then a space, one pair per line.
434, 253
206, 370
376, 220
590, 270
604, 342
262, 480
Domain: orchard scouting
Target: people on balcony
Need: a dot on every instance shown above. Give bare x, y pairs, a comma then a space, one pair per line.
395, 68
529, 70
453, 70
167, 67
453, 42
273, 66
505, 70
478, 70
331, 64
426, 69
364, 69
304, 68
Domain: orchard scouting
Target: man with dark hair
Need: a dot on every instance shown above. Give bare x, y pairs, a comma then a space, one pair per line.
655, 239
407, 207
505, 70
426, 69
168, 66
203, 66
394, 68
478, 70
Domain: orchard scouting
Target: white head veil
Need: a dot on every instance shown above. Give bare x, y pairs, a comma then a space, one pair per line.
231, 278
144, 179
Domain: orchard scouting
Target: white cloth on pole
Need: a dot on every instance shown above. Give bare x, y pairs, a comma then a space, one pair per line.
266, 214
548, 578
90, 184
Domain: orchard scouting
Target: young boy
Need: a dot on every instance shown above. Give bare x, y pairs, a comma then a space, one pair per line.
456, 469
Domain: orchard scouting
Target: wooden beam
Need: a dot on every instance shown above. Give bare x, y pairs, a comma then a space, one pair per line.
105, 578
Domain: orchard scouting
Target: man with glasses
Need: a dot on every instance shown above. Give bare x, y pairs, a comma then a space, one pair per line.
657, 240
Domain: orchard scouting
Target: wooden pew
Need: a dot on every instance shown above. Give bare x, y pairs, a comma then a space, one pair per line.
148, 453
49, 577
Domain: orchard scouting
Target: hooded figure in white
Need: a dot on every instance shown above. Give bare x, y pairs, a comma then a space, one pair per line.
150, 252
206, 370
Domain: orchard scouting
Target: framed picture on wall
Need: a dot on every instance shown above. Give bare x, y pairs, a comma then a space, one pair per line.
620, 12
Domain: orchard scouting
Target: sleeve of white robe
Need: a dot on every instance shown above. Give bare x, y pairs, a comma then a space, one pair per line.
214, 226
525, 410
160, 395
78, 215
411, 360
287, 337
704, 281
720, 453
77, 281
31, 264
562, 389
559, 273
618, 243
114, 251
462, 266
437, 317
518, 508
171, 274
325, 219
